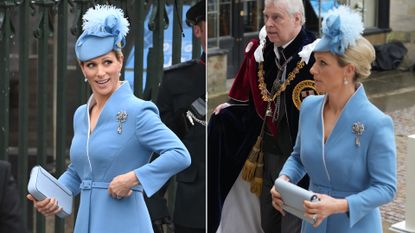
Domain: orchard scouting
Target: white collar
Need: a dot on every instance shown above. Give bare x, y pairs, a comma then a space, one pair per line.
277, 54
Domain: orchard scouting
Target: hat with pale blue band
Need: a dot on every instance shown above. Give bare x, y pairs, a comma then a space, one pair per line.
342, 27
105, 28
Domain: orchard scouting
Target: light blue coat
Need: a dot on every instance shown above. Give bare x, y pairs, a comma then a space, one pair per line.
98, 157
364, 175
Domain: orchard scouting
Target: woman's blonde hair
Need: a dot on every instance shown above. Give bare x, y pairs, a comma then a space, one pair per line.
361, 55
118, 54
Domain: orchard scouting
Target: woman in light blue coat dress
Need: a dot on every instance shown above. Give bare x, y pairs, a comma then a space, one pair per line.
114, 136
344, 143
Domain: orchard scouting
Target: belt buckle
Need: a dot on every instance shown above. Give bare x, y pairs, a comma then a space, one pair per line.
86, 184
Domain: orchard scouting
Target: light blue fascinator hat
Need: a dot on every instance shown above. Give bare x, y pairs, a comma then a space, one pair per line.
104, 29
342, 26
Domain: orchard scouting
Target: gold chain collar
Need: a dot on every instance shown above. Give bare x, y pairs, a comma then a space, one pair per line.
263, 87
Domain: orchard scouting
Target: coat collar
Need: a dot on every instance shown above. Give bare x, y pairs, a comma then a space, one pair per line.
114, 104
359, 97
349, 113
124, 90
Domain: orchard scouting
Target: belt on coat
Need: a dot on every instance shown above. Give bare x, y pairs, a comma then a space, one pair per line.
329, 190
86, 187
89, 184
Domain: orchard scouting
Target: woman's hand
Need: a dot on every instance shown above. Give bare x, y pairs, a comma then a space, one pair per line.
325, 207
276, 197
120, 186
47, 207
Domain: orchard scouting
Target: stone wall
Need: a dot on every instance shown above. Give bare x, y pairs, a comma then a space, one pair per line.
402, 18
216, 75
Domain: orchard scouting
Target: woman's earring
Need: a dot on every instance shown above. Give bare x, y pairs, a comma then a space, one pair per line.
119, 74
85, 80
345, 81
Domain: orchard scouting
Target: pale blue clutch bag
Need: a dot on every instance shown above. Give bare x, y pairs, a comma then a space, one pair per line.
43, 185
293, 197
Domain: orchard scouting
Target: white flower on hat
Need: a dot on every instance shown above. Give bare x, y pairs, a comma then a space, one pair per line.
342, 27
106, 18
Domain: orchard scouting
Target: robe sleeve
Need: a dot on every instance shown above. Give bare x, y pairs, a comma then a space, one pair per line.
381, 164
155, 136
245, 79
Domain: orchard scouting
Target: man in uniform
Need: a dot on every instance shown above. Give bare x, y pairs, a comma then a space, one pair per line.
267, 91
10, 207
182, 106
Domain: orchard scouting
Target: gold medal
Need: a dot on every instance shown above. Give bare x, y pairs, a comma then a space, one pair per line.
302, 90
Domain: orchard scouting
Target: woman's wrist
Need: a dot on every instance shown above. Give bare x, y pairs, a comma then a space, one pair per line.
132, 179
284, 177
342, 206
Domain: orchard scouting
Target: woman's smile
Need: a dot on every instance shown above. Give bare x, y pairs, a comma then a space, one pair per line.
102, 82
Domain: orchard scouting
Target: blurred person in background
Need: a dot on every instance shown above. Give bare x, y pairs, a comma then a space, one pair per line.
182, 104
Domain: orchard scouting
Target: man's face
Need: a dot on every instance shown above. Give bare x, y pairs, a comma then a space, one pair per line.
281, 26
200, 33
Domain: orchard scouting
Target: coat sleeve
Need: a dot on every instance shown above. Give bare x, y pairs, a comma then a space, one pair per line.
155, 136
381, 164
293, 167
70, 177
71, 180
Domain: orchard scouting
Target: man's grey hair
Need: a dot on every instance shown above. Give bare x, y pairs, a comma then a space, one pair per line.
292, 6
